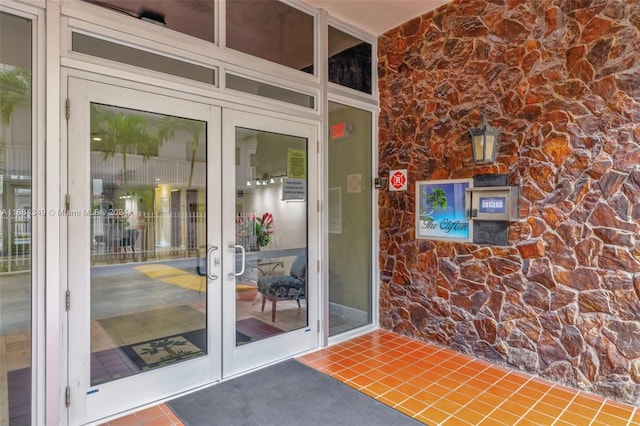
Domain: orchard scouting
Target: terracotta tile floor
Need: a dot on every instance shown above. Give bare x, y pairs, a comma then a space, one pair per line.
159, 415
441, 387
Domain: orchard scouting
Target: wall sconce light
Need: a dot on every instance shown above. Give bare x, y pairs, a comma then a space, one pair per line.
484, 142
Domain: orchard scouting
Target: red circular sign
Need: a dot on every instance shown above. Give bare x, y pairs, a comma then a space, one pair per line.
398, 180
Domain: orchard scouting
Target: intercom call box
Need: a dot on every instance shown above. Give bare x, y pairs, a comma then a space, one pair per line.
492, 203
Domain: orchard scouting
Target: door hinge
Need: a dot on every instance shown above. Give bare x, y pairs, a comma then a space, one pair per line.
68, 300
67, 202
67, 108
67, 397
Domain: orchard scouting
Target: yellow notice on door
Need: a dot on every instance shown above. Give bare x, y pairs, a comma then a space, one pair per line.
297, 164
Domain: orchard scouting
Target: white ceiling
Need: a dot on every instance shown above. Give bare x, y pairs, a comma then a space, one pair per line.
376, 16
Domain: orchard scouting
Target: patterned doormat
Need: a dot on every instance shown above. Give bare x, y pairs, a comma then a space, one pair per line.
167, 350
124, 361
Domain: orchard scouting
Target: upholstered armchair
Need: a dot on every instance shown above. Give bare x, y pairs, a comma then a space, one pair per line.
275, 288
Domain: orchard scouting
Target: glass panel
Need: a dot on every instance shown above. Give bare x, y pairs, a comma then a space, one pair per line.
349, 61
128, 55
350, 220
271, 224
16, 204
148, 230
273, 31
195, 18
269, 91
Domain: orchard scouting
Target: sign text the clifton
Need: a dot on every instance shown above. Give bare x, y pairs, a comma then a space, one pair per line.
445, 224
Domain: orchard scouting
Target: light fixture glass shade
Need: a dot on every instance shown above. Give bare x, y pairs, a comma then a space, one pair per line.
478, 147
489, 147
484, 142
248, 182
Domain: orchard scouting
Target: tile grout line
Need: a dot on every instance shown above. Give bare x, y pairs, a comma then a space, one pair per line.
575, 395
380, 395
456, 388
598, 412
438, 356
469, 360
481, 393
530, 379
604, 403
633, 413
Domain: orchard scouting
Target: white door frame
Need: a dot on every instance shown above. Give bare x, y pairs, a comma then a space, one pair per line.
224, 359
238, 359
89, 403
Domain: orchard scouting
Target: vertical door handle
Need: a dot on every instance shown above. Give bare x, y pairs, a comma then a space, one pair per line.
234, 247
210, 251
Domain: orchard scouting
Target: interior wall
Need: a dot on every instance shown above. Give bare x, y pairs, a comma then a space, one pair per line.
561, 80
289, 217
270, 159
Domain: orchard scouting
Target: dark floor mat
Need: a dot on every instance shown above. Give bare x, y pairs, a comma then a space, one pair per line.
288, 393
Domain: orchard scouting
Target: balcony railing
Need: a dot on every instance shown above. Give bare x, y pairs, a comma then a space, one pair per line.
147, 236
17, 161
143, 237
15, 240
147, 172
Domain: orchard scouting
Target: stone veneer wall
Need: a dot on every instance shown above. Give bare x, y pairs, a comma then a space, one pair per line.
561, 79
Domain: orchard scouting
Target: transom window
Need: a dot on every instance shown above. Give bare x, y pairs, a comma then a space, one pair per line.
349, 61
273, 31
195, 18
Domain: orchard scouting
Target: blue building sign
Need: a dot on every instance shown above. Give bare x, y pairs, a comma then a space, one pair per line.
440, 210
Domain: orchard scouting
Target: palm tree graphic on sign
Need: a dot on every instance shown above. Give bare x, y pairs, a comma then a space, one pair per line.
433, 201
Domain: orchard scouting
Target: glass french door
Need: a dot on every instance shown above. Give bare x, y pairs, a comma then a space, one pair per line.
143, 244
269, 210
189, 251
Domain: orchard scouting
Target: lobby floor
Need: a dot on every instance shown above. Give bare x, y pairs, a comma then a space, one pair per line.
438, 386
